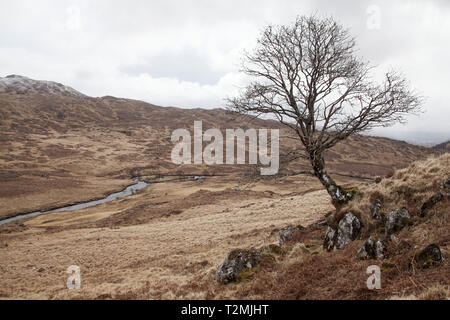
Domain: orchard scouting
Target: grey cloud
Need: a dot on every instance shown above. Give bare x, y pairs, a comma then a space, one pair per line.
194, 42
188, 65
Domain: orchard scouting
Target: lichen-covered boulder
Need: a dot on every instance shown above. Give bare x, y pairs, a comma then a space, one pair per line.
287, 233
371, 250
236, 262
428, 257
349, 229
375, 208
397, 220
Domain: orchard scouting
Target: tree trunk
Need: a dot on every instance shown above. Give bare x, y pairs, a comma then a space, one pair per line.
338, 196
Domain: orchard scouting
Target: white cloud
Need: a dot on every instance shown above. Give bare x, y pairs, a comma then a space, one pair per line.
186, 53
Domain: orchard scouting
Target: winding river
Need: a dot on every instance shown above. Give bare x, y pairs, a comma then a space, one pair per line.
126, 192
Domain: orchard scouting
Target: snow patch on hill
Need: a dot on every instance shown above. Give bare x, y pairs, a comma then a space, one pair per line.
23, 85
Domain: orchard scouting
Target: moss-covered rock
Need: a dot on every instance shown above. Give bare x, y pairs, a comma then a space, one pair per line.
236, 262
242, 264
397, 220
428, 257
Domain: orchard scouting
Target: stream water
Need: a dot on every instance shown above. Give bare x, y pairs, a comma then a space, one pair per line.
126, 192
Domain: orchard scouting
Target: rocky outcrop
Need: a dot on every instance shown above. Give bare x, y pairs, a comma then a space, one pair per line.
287, 233
430, 203
397, 220
428, 257
371, 250
237, 261
375, 208
349, 229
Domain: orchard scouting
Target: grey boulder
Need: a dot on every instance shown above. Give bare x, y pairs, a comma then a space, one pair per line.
371, 250
349, 229
397, 220
236, 262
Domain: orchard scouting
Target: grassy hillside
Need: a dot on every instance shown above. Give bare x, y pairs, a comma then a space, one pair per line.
305, 272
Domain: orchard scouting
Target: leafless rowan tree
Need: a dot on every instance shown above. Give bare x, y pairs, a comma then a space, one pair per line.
308, 76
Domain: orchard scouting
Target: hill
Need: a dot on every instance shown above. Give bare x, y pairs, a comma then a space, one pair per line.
54, 138
167, 240
442, 147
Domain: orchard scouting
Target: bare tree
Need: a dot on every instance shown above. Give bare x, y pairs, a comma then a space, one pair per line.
309, 77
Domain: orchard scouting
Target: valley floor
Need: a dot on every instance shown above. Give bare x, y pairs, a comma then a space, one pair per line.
157, 259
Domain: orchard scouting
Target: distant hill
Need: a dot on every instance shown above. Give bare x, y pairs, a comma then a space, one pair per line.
36, 113
443, 147
23, 85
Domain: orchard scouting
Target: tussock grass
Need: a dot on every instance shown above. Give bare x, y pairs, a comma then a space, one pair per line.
339, 275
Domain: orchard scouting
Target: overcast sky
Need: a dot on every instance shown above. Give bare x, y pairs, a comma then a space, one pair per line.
187, 53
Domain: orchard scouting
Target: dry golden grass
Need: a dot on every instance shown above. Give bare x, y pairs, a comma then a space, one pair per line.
410, 187
153, 260
167, 240
339, 275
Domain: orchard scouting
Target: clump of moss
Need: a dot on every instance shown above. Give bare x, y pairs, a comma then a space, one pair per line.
247, 274
387, 265
273, 248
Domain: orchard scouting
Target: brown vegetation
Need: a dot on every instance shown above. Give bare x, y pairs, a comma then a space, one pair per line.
167, 240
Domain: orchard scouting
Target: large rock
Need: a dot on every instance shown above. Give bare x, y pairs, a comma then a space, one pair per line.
287, 233
349, 229
397, 220
235, 263
371, 250
375, 208
430, 256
